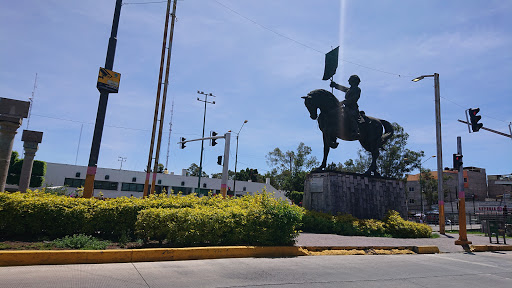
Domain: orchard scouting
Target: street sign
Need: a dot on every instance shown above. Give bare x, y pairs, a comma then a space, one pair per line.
108, 81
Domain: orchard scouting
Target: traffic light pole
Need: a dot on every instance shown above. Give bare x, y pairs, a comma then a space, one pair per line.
224, 181
463, 237
102, 108
491, 130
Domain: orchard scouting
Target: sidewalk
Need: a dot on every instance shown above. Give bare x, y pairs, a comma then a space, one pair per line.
446, 243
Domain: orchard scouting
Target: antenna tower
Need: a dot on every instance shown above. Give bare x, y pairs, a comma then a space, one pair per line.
31, 101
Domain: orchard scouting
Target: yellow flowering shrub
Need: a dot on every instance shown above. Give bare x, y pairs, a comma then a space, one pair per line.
260, 218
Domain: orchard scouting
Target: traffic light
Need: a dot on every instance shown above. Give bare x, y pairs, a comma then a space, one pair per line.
219, 160
475, 126
182, 142
457, 161
214, 141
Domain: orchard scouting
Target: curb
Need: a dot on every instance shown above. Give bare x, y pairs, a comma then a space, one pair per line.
37, 257
415, 249
486, 248
60, 257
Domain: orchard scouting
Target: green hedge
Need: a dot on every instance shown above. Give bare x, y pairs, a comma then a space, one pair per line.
344, 224
250, 220
263, 219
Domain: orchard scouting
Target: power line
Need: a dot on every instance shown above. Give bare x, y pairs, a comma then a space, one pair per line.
305, 45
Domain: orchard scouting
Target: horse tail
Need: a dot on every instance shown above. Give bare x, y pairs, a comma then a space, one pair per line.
388, 131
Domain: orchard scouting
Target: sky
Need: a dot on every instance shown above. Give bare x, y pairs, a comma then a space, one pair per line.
258, 58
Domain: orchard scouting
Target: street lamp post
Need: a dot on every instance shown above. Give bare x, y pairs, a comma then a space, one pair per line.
236, 158
121, 159
439, 145
202, 141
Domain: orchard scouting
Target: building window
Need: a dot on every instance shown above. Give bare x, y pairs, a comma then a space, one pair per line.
107, 177
134, 179
204, 185
411, 201
245, 189
465, 180
105, 185
77, 174
182, 183
75, 183
411, 189
159, 181
132, 187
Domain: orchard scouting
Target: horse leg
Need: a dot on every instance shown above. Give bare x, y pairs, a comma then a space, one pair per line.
327, 143
373, 166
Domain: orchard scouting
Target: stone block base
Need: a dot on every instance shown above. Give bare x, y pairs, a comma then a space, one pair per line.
365, 197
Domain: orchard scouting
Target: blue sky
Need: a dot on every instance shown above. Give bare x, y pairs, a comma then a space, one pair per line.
258, 58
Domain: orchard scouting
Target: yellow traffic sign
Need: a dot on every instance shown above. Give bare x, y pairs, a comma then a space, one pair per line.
108, 81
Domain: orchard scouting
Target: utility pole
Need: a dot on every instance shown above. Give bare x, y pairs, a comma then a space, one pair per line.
102, 108
147, 189
121, 159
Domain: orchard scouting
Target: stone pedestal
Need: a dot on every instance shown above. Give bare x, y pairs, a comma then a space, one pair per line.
365, 197
30, 139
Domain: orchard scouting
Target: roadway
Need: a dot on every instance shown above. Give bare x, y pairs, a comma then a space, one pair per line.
485, 269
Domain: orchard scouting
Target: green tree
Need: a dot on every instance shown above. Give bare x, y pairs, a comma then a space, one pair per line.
14, 173
193, 170
219, 175
395, 160
160, 168
249, 174
291, 166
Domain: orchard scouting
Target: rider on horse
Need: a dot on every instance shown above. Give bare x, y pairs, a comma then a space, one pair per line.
352, 94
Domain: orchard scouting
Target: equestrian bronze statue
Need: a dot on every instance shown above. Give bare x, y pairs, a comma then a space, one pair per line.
343, 120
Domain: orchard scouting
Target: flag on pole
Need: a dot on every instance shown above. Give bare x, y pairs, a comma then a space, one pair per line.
331, 63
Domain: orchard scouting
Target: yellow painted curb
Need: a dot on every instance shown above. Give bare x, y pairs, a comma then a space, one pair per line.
426, 249
37, 257
485, 248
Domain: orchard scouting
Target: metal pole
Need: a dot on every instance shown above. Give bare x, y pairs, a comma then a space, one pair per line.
202, 148
421, 197
164, 99
236, 157
463, 237
224, 181
440, 192
236, 160
102, 108
147, 189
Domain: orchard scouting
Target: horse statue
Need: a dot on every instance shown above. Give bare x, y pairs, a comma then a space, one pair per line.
334, 123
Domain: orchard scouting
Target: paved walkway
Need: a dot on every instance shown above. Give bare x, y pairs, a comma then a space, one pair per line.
446, 243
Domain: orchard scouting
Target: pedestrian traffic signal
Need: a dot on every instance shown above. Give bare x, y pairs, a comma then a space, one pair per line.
182, 142
475, 126
457, 161
219, 160
214, 141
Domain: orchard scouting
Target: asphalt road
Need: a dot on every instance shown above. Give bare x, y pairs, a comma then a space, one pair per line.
485, 269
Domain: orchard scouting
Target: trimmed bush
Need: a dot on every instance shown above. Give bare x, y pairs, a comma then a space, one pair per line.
348, 225
250, 220
36, 215
398, 227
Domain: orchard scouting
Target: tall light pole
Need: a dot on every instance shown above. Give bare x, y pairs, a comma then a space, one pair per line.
202, 141
236, 158
439, 145
121, 159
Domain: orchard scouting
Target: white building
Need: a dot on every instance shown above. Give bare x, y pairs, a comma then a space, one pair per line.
116, 183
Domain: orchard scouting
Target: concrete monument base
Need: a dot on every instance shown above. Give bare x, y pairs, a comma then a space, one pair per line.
365, 197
